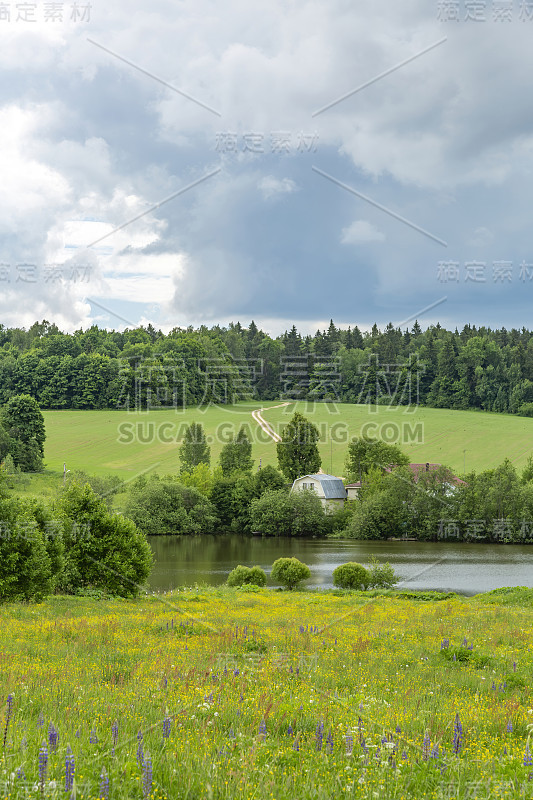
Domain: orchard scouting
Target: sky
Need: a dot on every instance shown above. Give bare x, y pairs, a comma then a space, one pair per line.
189, 162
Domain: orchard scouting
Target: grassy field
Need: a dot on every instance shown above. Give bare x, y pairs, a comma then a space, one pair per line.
127, 444
217, 693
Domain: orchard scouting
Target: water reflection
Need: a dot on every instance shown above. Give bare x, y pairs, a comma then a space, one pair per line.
465, 568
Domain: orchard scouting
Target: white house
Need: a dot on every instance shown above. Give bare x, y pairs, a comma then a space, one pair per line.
329, 488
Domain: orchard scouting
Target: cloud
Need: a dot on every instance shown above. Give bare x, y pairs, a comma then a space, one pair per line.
481, 237
271, 186
361, 232
444, 142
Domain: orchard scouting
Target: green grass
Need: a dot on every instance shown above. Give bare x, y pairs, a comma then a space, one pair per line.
89, 440
232, 671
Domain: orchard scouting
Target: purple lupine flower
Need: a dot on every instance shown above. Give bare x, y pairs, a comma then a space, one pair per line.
435, 752
43, 765
398, 729
231, 734
457, 735
509, 726
493, 685
465, 643
114, 733
296, 745
377, 754
104, 785
53, 736
444, 644
404, 756
363, 745
290, 731
93, 738
360, 727
40, 721
69, 769
165, 682
454, 657
10, 702
291, 670
263, 728
24, 743
77, 734
140, 749
514, 666
425, 746
147, 777
349, 744
329, 743
166, 727
527, 756
20, 774
319, 735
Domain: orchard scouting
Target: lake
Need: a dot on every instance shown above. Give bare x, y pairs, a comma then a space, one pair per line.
445, 566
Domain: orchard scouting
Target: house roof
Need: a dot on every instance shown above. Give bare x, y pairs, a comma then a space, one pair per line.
332, 486
422, 469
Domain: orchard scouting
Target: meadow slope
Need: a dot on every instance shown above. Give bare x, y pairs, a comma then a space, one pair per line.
127, 444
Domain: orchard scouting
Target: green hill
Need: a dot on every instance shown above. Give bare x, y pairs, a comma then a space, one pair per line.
127, 444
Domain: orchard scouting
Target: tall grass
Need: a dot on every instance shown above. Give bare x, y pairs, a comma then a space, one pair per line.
216, 693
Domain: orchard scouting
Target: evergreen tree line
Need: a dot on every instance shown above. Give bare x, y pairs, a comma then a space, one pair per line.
476, 368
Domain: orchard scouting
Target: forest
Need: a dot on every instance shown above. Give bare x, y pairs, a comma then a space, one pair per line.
476, 368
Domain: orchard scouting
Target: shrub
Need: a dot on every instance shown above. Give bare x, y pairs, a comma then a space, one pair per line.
164, 507
102, 550
289, 572
278, 513
25, 568
257, 576
351, 576
241, 576
382, 576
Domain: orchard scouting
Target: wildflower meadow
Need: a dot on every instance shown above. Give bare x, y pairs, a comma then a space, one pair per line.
260, 695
